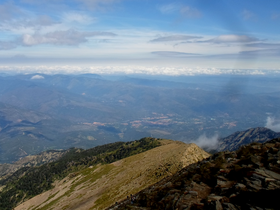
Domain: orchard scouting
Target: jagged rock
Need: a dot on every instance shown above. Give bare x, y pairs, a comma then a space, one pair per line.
229, 206
259, 135
239, 180
240, 187
218, 205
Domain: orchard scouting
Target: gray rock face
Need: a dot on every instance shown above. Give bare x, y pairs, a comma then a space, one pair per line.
234, 141
228, 180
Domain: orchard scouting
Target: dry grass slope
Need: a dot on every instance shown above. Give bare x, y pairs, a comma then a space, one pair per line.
101, 186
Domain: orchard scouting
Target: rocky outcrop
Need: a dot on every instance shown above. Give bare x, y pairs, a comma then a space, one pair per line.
239, 138
32, 160
246, 179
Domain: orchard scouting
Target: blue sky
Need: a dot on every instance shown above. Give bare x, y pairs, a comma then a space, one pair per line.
191, 33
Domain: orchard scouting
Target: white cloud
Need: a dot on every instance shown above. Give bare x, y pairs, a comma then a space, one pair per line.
174, 38
208, 143
272, 124
231, 38
37, 77
173, 53
75, 17
69, 37
150, 70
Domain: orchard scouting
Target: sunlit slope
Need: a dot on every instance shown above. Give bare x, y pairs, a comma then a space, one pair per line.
101, 186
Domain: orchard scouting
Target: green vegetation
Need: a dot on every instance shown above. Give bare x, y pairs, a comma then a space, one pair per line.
31, 181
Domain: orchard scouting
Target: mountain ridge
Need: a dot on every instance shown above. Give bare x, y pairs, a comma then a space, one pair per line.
239, 138
248, 178
100, 186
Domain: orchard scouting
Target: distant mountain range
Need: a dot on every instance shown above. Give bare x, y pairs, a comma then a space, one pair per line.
40, 112
239, 138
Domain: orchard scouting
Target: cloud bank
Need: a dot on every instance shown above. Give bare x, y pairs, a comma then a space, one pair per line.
208, 143
174, 38
37, 77
272, 124
151, 70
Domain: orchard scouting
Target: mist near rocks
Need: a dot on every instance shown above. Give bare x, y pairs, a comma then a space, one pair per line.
208, 143
272, 124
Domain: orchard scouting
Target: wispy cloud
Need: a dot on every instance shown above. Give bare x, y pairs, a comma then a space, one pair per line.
183, 10
263, 53
248, 15
231, 38
273, 124
264, 45
173, 53
174, 38
224, 39
76, 17
69, 37
190, 12
85, 4
42, 20
98, 4
8, 11
169, 8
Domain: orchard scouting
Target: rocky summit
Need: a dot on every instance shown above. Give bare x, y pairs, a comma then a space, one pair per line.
239, 138
248, 178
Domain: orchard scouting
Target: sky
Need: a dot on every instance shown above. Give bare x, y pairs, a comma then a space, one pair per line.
140, 34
